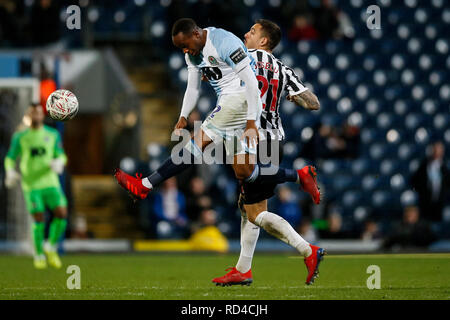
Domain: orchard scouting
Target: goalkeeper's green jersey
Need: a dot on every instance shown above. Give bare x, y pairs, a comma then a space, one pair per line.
36, 149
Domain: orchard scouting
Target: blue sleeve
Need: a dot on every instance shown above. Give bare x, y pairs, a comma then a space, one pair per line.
182, 205
157, 207
229, 47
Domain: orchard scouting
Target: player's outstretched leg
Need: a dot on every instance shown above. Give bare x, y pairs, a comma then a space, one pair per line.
306, 177
139, 188
133, 185
37, 231
308, 182
281, 229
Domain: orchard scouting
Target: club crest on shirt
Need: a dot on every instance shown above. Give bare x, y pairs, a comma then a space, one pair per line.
212, 60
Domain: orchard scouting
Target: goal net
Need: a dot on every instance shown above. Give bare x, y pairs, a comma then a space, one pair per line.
16, 95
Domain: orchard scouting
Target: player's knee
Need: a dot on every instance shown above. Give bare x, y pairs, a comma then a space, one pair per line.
251, 216
60, 212
242, 172
253, 210
38, 217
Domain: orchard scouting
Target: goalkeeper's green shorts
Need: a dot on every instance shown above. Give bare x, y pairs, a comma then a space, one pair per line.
37, 200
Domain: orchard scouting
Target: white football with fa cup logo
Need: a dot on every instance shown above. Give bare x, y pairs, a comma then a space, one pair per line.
62, 105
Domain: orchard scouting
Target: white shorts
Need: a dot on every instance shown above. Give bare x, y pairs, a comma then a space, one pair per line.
227, 123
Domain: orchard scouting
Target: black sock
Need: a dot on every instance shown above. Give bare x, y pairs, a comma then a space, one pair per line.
272, 174
169, 169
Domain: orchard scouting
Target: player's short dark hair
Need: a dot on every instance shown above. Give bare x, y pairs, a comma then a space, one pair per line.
183, 25
270, 30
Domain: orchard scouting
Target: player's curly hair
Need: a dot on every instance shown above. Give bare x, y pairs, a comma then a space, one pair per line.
270, 30
183, 25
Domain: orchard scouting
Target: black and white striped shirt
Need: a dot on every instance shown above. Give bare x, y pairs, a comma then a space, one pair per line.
274, 77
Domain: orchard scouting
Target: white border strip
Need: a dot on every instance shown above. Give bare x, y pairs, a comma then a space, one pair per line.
23, 82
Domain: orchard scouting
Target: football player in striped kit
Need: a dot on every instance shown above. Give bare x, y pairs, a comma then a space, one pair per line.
274, 79
223, 59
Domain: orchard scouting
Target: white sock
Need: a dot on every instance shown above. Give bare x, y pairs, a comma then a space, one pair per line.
146, 183
280, 228
249, 237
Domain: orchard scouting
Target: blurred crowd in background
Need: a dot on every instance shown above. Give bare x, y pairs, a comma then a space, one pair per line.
379, 141
38, 22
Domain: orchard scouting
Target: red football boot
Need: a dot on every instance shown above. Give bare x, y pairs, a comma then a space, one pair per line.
308, 182
312, 263
234, 277
133, 185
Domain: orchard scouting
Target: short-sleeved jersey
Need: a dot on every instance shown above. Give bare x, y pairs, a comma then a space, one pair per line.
274, 78
36, 149
222, 57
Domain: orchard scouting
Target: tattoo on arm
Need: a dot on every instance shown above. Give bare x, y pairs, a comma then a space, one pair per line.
307, 100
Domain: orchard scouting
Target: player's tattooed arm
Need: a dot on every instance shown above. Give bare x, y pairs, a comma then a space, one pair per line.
306, 99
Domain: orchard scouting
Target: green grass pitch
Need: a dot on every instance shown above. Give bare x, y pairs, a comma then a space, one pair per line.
184, 276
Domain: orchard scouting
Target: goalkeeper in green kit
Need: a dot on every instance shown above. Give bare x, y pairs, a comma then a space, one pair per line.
42, 158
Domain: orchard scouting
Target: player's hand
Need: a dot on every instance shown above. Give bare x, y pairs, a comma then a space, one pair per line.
57, 165
251, 135
204, 78
290, 98
181, 124
12, 178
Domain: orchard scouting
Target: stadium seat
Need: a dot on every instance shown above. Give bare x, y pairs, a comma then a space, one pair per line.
407, 151
302, 119
422, 135
351, 199
382, 198
441, 121
398, 182
442, 46
335, 47
414, 120
380, 150
362, 46
388, 166
363, 166
415, 45
355, 76
384, 120
408, 198
437, 77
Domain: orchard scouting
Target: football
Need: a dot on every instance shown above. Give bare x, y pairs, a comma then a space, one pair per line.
62, 105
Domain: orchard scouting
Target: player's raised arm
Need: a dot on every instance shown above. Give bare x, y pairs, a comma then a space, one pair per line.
306, 99
234, 54
299, 93
247, 75
254, 104
191, 94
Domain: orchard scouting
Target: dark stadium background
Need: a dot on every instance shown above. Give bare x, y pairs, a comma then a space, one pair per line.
384, 94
